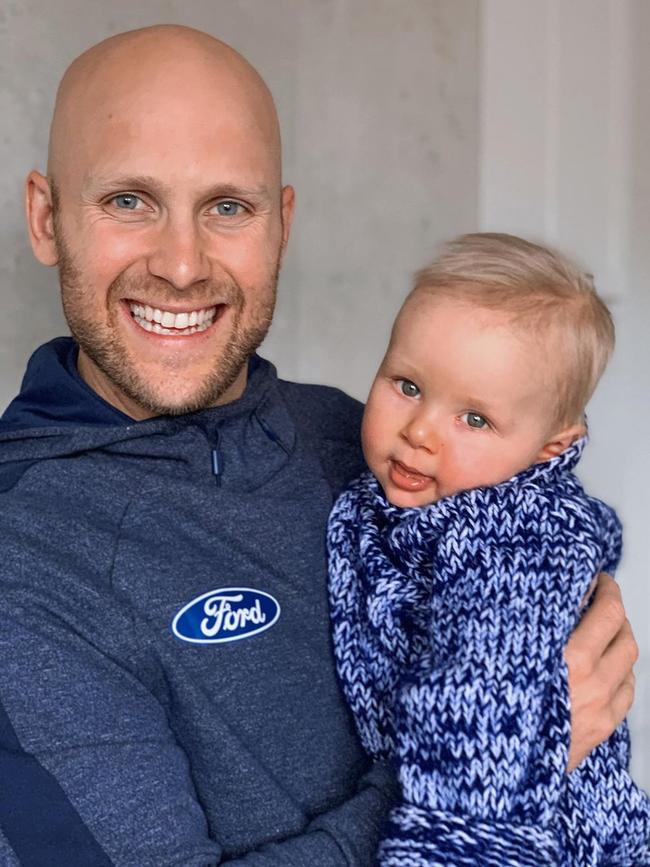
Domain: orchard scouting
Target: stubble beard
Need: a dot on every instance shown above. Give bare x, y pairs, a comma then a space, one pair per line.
105, 347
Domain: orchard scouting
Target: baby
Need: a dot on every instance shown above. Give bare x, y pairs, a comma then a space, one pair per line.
457, 569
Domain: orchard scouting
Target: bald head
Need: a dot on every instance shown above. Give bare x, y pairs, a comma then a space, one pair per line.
162, 69
164, 202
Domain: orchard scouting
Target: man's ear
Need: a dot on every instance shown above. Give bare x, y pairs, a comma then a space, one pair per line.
40, 218
560, 442
288, 208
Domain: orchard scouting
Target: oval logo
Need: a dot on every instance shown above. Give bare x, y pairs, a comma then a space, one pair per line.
227, 614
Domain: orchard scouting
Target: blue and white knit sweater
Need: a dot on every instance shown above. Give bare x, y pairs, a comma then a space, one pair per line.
449, 627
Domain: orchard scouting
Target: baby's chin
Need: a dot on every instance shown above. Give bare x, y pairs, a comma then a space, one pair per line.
402, 502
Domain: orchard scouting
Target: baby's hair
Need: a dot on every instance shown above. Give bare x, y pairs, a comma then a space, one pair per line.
542, 292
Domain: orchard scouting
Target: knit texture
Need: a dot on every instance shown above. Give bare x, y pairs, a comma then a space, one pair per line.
449, 627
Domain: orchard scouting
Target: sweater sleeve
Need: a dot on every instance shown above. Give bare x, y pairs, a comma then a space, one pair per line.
374, 613
483, 718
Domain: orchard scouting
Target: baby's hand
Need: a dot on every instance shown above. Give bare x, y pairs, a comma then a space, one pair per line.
599, 655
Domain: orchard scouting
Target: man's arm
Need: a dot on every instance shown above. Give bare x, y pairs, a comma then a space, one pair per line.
600, 655
348, 835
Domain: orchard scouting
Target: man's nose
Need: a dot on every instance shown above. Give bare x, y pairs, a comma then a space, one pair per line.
179, 256
421, 432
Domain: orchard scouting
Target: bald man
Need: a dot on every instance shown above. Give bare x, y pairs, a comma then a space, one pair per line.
167, 687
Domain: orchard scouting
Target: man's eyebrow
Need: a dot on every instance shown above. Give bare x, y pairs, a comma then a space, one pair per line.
238, 191
101, 185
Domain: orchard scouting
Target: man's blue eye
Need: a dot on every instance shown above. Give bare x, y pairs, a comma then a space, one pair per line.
126, 201
408, 388
228, 209
475, 420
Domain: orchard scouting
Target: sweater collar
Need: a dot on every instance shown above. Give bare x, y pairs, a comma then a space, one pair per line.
54, 393
56, 414
542, 473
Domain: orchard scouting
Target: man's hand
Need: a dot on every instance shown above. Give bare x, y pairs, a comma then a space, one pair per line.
599, 655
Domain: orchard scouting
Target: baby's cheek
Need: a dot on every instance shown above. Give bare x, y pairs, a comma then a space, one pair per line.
371, 442
465, 468
368, 439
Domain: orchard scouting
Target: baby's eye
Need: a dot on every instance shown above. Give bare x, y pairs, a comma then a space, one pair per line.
408, 388
473, 419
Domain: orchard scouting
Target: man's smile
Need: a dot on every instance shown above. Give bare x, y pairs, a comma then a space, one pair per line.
168, 322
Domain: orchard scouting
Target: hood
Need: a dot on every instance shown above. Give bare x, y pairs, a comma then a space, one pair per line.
53, 393
56, 415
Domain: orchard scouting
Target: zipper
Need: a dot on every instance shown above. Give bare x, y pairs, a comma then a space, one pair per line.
216, 457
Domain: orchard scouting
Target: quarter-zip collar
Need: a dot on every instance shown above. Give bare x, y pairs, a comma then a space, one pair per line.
57, 415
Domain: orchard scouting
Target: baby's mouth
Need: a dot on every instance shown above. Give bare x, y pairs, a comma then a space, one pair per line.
407, 478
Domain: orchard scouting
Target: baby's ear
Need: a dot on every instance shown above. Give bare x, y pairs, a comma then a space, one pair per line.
560, 442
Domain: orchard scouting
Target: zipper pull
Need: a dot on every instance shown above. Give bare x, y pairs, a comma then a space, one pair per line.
216, 465
215, 453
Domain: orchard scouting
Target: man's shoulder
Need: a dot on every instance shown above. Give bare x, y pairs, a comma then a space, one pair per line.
329, 422
325, 411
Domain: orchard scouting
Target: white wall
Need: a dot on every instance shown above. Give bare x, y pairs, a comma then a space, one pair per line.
627, 415
564, 158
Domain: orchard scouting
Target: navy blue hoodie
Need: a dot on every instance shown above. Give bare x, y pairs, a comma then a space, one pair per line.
167, 687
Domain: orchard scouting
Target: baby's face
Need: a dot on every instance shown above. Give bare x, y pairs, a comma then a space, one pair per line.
460, 401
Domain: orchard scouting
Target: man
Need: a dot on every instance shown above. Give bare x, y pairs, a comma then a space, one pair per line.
168, 692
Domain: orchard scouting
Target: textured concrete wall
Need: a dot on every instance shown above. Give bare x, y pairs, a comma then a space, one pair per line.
564, 158
624, 410
378, 104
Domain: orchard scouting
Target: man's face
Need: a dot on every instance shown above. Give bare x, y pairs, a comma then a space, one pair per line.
169, 233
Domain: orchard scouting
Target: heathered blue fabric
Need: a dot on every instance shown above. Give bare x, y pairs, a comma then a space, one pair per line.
53, 392
169, 752
449, 628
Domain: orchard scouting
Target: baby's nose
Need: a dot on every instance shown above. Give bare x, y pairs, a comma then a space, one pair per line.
421, 433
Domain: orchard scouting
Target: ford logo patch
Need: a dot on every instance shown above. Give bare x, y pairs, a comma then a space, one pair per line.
227, 614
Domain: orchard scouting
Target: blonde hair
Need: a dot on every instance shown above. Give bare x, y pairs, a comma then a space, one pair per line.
542, 292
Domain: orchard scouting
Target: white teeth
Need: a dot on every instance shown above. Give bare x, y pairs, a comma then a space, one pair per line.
165, 322
159, 329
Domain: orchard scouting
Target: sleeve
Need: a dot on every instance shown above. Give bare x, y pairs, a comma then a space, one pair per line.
375, 631
348, 835
90, 772
363, 667
483, 717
